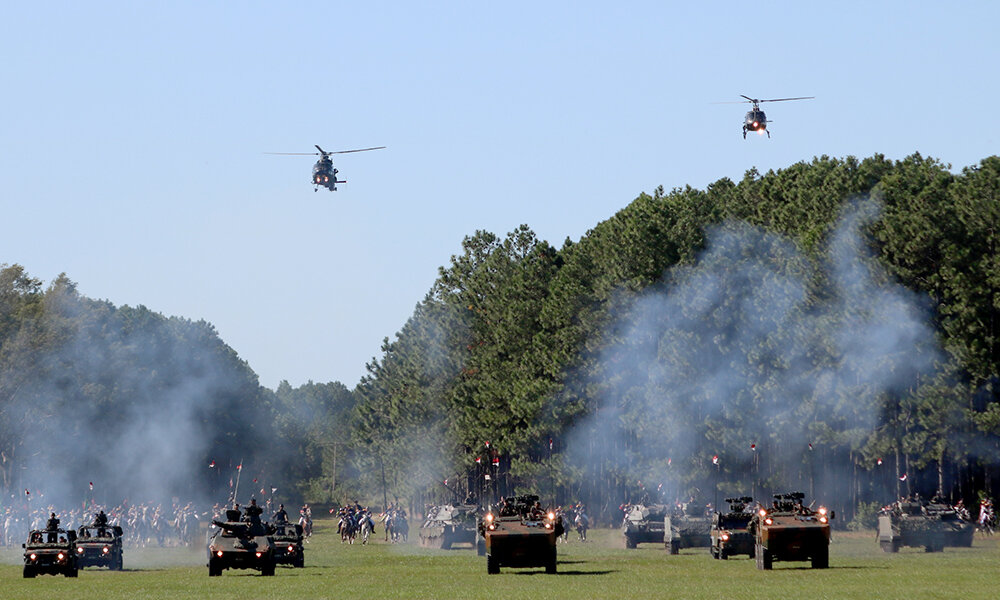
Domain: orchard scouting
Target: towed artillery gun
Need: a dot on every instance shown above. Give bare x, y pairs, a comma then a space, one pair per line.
730, 530
932, 525
789, 531
644, 524
237, 544
449, 524
519, 535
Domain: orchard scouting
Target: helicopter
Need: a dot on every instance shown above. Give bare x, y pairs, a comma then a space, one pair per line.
755, 119
324, 174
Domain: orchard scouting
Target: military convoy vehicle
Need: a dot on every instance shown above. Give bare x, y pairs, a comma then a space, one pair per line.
518, 534
687, 526
644, 524
730, 534
288, 547
932, 525
789, 531
50, 551
99, 546
449, 524
237, 544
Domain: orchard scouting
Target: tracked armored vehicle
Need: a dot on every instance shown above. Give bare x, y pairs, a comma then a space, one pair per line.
237, 544
449, 524
50, 551
288, 547
519, 535
730, 530
99, 546
789, 531
687, 527
932, 525
644, 524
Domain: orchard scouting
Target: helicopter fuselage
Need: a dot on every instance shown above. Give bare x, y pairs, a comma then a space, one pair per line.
755, 120
325, 175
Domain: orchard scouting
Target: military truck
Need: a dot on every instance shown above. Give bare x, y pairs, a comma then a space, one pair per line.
789, 531
519, 535
687, 526
99, 546
644, 524
236, 544
50, 551
913, 523
449, 524
288, 548
730, 534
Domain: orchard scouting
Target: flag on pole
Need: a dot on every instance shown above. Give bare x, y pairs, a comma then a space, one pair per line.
239, 467
211, 465
274, 489
550, 443
810, 447
26, 492
879, 462
903, 478
479, 460
753, 447
496, 462
255, 480
91, 486
715, 459
669, 461
230, 482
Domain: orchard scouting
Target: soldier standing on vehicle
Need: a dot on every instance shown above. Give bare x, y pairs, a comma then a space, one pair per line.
253, 512
281, 516
53, 523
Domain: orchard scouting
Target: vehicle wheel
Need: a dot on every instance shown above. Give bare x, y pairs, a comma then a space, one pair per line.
481, 547
72, 572
29, 572
675, 547
723, 555
445, 545
214, 568
267, 569
492, 565
630, 542
299, 562
822, 559
889, 546
550, 565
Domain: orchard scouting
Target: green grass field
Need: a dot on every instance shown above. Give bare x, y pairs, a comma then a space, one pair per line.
601, 568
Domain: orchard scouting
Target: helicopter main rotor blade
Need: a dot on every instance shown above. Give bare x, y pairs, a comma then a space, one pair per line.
783, 99
749, 98
294, 153
358, 150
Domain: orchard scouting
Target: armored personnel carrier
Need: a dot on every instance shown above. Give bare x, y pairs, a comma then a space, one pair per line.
730, 533
644, 524
288, 548
687, 527
99, 546
449, 524
789, 531
237, 544
913, 523
518, 534
50, 551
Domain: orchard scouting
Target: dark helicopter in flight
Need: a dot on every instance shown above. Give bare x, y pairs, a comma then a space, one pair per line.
324, 174
755, 119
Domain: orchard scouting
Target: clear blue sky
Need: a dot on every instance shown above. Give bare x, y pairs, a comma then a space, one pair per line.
133, 137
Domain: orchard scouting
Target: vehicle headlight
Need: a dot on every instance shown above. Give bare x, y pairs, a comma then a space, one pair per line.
492, 527
768, 521
219, 553
79, 550
291, 549
489, 517
725, 537
105, 549
552, 516
822, 519
548, 525
60, 557
259, 554
33, 556
762, 512
822, 510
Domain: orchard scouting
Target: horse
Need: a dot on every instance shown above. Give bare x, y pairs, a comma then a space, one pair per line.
367, 528
348, 529
396, 528
307, 525
582, 523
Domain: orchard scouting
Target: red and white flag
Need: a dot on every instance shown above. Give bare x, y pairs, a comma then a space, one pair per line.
715, 459
479, 460
903, 478
91, 486
879, 462
211, 465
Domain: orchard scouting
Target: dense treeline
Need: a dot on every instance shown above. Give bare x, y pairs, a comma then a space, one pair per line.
831, 326
145, 407
542, 352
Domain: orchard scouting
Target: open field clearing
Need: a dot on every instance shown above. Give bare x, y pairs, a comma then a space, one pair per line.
601, 568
